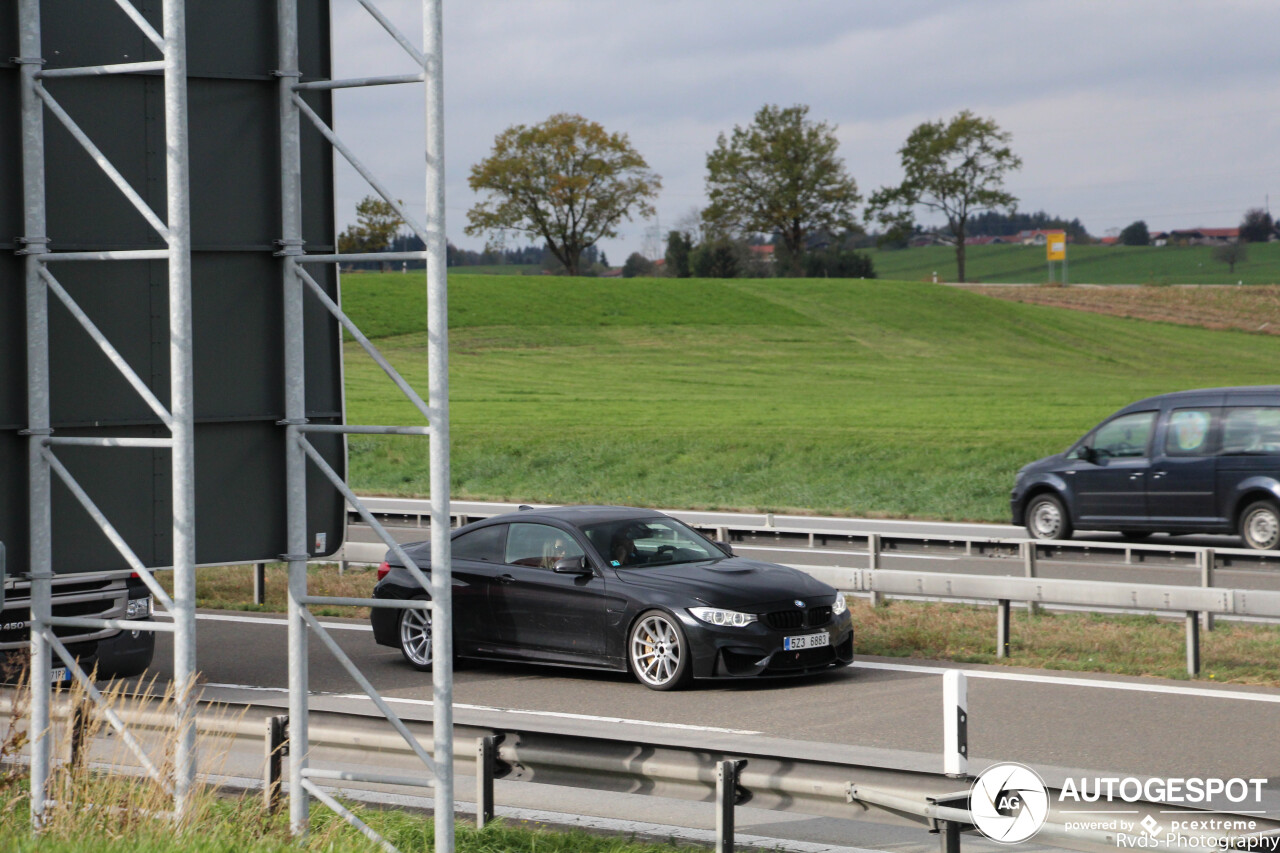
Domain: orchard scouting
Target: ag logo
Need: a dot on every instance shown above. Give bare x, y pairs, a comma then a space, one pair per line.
1009, 803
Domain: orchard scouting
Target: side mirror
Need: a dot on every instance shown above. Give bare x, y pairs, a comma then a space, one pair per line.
572, 566
724, 546
1088, 454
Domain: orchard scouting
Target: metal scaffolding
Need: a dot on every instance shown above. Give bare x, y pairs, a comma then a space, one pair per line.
297, 283
175, 231
43, 461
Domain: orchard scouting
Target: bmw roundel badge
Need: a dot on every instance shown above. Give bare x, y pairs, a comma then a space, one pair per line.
799, 603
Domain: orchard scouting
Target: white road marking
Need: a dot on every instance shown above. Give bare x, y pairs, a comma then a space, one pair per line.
1201, 692
557, 714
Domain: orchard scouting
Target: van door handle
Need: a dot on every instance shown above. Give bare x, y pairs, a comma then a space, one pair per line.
506, 579
1137, 476
1157, 475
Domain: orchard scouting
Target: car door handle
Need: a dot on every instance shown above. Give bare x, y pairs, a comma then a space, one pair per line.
506, 579
1157, 475
1137, 476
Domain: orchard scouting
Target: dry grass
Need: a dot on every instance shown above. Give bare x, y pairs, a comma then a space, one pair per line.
1255, 308
1236, 652
231, 588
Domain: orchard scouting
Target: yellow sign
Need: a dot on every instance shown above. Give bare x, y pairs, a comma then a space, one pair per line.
1057, 244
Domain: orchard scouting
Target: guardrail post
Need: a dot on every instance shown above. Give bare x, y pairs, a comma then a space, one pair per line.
1002, 628
485, 750
873, 563
1193, 643
1028, 550
955, 723
276, 748
726, 799
949, 836
259, 583
1208, 559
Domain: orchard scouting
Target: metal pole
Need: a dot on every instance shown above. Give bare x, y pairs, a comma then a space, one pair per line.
259, 583
1193, 643
955, 723
295, 409
182, 398
1002, 628
486, 751
40, 520
1208, 562
275, 748
438, 401
873, 563
726, 799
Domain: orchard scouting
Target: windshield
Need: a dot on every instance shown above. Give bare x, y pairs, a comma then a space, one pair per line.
640, 543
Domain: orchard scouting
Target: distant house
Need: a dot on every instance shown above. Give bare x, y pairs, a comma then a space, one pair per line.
1110, 241
1038, 237
763, 253
1204, 236
982, 241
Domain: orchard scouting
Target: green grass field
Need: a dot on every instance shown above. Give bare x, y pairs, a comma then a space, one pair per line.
1086, 265
864, 398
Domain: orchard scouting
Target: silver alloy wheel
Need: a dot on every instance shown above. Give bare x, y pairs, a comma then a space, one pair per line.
415, 637
1046, 519
1261, 527
656, 651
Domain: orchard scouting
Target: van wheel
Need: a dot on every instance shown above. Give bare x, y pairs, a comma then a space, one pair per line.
1260, 526
1047, 518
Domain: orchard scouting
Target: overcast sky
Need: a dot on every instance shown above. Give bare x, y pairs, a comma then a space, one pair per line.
1162, 110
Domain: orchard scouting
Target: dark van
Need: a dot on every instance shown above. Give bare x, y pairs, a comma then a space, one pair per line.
1189, 462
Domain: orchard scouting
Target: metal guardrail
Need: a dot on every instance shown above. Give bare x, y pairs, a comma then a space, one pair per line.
359, 750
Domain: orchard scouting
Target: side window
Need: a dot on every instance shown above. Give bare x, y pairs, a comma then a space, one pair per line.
1251, 431
539, 545
1190, 433
484, 544
1124, 437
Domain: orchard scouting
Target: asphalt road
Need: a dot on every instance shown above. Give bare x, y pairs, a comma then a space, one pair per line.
1132, 726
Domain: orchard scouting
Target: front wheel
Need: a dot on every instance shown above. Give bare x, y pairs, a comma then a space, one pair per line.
1260, 526
1047, 518
659, 653
415, 638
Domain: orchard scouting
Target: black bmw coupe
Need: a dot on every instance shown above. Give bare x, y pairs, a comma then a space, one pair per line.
621, 589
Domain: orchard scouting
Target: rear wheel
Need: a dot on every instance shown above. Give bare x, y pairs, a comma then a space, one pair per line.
1047, 518
415, 638
659, 653
1260, 525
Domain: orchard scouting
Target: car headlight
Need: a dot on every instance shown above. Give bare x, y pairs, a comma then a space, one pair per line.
138, 608
839, 605
715, 616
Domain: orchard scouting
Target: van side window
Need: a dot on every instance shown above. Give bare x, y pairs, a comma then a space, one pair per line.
1190, 433
1124, 437
1251, 431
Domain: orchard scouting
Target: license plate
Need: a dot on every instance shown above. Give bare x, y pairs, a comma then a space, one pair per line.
808, 641
61, 675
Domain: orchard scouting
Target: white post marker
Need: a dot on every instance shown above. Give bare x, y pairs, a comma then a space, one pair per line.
955, 723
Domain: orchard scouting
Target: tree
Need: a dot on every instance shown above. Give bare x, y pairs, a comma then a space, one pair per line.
637, 264
679, 245
956, 168
720, 257
565, 181
1235, 252
780, 175
377, 225
1136, 234
1256, 227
